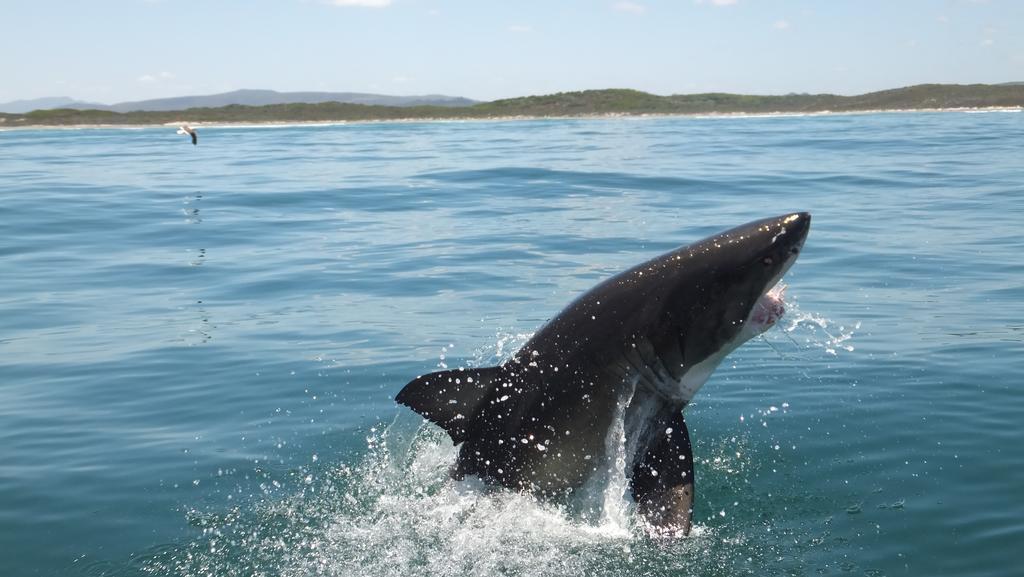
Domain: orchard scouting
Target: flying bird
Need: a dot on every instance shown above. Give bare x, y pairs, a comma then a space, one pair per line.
186, 129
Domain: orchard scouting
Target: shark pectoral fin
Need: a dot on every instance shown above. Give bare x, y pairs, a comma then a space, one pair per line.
663, 483
451, 398
669, 511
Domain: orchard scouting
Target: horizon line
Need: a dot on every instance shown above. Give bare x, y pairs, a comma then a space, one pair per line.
480, 101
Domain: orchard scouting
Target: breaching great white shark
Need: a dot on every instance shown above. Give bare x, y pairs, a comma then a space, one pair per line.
624, 358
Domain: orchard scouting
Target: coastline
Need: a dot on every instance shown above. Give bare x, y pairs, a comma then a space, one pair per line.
513, 118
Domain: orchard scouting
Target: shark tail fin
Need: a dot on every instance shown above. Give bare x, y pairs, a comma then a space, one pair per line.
450, 399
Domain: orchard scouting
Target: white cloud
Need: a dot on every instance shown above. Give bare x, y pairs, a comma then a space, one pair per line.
716, 2
781, 24
988, 36
519, 28
631, 7
154, 78
362, 3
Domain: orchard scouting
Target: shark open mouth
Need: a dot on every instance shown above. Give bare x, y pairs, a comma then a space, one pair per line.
768, 309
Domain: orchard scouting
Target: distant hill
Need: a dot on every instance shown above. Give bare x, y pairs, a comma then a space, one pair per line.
921, 96
571, 104
23, 106
240, 97
270, 97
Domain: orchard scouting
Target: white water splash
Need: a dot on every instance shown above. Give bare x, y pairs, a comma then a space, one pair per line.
821, 333
398, 513
815, 331
605, 494
505, 343
405, 516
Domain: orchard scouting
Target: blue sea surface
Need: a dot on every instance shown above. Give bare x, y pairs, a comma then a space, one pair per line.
200, 345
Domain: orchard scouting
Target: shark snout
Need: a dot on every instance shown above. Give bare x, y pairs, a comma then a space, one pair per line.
794, 229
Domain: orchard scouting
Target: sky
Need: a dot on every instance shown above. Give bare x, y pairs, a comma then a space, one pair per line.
110, 51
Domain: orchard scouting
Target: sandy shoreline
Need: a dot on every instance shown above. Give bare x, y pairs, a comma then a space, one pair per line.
604, 116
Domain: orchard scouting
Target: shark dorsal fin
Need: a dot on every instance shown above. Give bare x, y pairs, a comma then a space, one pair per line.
450, 399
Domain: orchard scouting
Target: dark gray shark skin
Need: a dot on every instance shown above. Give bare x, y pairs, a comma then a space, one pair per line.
617, 365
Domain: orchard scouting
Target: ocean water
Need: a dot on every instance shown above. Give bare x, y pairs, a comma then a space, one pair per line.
199, 346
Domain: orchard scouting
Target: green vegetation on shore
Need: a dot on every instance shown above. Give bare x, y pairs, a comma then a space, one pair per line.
585, 103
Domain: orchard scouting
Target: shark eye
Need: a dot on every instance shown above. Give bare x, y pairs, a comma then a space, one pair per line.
768, 260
